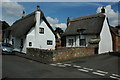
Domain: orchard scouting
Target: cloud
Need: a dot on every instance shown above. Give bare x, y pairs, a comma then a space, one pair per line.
112, 15
63, 26
54, 23
52, 20
11, 11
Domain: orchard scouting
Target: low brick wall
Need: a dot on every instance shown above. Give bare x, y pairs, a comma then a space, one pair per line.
43, 55
71, 53
61, 54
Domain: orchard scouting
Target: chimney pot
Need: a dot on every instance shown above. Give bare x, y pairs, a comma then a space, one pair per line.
38, 7
102, 9
68, 21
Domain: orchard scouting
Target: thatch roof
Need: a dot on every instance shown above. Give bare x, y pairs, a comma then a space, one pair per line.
22, 26
91, 24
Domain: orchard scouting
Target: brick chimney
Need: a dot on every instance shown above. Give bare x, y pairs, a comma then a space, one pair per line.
38, 7
68, 21
102, 9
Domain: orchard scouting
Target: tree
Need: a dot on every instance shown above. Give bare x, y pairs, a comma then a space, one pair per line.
59, 30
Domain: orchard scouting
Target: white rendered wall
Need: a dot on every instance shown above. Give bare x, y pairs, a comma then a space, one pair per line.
105, 44
40, 40
30, 38
67, 41
76, 43
17, 44
24, 45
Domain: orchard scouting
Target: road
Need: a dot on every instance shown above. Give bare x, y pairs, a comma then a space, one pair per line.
100, 66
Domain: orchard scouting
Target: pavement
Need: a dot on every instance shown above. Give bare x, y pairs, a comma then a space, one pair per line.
98, 66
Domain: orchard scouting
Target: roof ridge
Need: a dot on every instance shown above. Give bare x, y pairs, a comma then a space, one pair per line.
28, 15
87, 17
24, 17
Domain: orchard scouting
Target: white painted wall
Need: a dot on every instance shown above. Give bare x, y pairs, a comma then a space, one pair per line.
40, 40
30, 38
17, 44
105, 44
67, 41
76, 43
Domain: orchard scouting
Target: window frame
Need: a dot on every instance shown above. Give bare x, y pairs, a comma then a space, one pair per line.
30, 44
82, 42
41, 30
70, 42
49, 42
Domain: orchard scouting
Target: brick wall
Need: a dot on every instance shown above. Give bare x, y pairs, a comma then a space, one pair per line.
61, 54
72, 52
43, 55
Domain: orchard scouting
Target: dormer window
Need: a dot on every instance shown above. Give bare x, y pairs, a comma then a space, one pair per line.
41, 30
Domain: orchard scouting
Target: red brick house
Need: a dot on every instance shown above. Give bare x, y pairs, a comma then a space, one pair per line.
116, 37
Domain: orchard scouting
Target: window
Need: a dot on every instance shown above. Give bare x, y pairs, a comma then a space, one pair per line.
82, 42
70, 42
30, 43
41, 30
49, 42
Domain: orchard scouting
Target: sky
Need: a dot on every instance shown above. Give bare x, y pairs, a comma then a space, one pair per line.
57, 12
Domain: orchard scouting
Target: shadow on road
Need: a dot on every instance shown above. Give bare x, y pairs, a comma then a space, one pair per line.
114, 54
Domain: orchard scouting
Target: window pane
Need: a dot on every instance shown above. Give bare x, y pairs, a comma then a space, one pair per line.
82, 42
70, 42
30, 43
41, 30
49, 42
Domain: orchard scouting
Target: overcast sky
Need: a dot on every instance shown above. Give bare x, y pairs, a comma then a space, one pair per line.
57, 12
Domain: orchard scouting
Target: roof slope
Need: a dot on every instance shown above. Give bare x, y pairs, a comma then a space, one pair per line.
91, 23
22, 26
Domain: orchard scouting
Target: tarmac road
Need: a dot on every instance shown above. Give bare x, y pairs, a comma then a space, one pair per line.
88, 67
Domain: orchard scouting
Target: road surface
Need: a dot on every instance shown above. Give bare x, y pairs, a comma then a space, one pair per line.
99, 66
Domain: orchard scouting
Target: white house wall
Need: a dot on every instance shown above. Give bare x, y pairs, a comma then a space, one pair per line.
105, 44
40, 40
89, 37
17, 44
30, 38
67, 41
76, 42
24, 45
